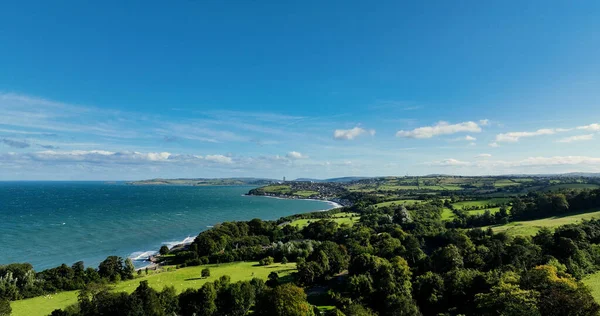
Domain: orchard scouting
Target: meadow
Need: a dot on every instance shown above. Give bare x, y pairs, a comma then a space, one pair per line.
593, 282
340, 218
397, 202
181, 279
529, 228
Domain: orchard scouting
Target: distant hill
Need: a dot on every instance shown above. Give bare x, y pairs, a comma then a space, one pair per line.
205, 181
336, 180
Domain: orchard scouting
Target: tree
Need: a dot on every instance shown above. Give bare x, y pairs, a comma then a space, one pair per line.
358, 310
559, 294
284, 260
273, 279
111, 267
5, 308
163, 250
447, 258
168, 300
284, 300
508, 299
267, 261
129, 269
429, 292
205, 272
147, 300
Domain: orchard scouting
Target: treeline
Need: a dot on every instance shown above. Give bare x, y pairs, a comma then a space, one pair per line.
218, 298
19, 280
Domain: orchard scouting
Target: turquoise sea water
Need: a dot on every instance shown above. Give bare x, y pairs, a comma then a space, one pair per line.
49, 223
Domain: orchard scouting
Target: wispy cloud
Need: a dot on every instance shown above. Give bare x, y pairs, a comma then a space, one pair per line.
513, 137
592, 127
350, 134
576, 138
483, 156
295, 155
15, 143
441, 128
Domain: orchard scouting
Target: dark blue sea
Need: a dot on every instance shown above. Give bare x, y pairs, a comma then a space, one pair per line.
49, 223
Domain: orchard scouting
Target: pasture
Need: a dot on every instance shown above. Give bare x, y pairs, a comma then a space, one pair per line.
340, 218
529, 228
181, 279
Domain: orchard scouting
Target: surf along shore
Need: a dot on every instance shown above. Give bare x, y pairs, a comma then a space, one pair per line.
151, 259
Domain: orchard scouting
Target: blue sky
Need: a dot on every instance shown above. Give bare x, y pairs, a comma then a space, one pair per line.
320, 89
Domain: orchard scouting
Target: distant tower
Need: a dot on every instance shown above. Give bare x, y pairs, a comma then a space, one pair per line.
283, 179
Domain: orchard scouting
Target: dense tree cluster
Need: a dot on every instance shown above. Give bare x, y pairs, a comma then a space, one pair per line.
218, 298
19, 280
397, 260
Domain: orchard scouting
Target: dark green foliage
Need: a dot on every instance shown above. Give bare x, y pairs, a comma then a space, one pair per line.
163, 250
266, 261
273, 279
205, 273
5, 308
284, 300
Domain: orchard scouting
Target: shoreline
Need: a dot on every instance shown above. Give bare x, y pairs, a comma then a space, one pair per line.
333, 204
188, 240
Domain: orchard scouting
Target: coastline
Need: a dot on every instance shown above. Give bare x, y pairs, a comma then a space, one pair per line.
333, 204
149, 257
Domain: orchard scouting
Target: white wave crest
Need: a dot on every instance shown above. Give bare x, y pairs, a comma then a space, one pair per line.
188, 240
142, 255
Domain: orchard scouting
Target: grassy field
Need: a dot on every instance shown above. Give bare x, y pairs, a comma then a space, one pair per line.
573, 186
277, 189
181, 279
397, 202
492, 210
532, 227
447, 214
593, 282
306, 193
505, 183
340, 218
480, 203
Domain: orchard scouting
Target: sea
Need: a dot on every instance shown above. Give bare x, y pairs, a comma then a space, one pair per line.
50, 223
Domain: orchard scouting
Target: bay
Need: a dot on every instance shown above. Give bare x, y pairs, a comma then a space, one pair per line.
49, 223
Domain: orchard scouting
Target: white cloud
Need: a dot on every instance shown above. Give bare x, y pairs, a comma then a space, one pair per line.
441, 128
470, 138
513, 137
350, 134
592, 127
295, 155
576, 138
219, 159
494, 145
583, 163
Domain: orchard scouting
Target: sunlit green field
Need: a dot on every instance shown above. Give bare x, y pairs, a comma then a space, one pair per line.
447, 214
397, 202
532, 227
340, 218
480, 203
593, 282
181, 279
575, 186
